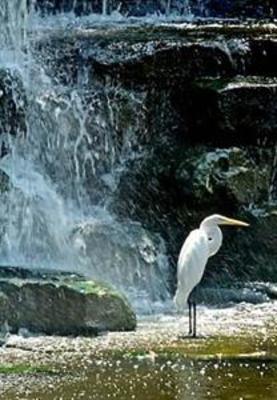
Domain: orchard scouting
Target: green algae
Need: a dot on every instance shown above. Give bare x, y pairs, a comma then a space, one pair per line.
211, 348
89, 287
19, 369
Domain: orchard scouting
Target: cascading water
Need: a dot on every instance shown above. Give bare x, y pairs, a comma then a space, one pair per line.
13, 24
13, 16
62, 166
105, 7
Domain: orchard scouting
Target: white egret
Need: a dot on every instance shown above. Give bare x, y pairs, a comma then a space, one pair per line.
200, 244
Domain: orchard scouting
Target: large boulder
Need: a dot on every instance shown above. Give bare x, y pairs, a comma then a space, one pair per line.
60, 303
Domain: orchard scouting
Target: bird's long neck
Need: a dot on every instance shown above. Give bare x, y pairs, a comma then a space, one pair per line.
214, 236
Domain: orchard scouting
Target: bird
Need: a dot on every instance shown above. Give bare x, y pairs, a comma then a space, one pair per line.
199, 246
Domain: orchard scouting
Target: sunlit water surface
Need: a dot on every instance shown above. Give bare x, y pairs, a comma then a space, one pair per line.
167, 380
235, 357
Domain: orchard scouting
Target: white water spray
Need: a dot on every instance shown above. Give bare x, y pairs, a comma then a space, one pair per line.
105, 7
63, 166
13, 15
168, 7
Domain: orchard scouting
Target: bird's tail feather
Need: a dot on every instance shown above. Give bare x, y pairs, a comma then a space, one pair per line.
180, 300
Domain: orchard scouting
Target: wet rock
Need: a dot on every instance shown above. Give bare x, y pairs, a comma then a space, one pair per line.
4, 181
264, 52
139, 8
229, 175
268, 289
239, 111
79, 7
223, 296
160, 56
136, 57
167, 67
13, 106
60, 303
237, 8
153, 62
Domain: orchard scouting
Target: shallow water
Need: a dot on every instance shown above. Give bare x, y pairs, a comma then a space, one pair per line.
235, 357
165, 380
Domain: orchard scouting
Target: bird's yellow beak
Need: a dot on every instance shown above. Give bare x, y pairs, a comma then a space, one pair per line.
231, 221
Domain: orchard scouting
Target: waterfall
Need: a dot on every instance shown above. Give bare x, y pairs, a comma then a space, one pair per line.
273, 181
13, 16
63, 162
105, 7
168, 7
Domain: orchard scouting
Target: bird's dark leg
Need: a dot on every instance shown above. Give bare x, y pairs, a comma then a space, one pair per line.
190, 317
192, 313
194, 319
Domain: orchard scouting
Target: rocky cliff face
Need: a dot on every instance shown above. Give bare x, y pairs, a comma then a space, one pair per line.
199, 102
208, 131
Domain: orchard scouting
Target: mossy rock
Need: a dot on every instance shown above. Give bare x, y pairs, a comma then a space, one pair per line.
61, 304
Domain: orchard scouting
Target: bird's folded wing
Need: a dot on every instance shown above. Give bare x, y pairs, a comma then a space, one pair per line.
191, 265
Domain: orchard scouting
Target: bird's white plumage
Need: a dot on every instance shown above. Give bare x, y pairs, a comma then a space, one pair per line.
200, 244
191, 265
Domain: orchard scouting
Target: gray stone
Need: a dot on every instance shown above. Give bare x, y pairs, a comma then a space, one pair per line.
60, 303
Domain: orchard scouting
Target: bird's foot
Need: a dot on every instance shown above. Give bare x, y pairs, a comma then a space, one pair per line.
190, 335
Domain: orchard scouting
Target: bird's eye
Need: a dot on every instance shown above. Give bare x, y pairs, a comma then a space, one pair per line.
210, 239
